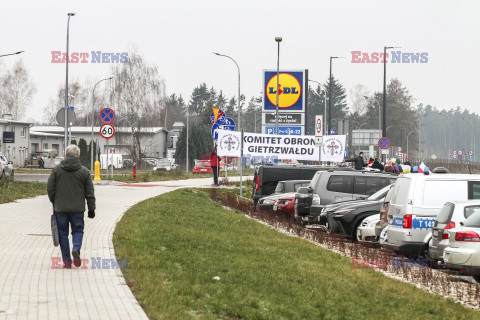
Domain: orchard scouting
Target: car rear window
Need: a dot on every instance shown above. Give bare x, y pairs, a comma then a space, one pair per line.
369, 185
445, 214
343, 184
468, 211
473, 189
299, 185
473, 221
203, 164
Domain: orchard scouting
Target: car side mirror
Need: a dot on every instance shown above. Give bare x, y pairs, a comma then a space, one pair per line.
461, 223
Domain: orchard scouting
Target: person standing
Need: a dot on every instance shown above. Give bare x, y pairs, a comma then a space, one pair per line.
377, 165
69, 185
358, 162
214, 163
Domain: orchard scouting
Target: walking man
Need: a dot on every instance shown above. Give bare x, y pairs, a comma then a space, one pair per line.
68, 186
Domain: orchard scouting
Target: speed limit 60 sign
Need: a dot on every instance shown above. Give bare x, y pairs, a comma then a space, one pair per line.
107, 131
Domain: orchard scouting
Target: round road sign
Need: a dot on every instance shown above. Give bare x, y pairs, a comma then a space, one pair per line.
384, 143
318, 126
107, 131
107, 115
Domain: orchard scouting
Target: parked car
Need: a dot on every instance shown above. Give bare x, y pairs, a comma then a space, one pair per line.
338, 185
463, 250
266, 178
347, 218
288, 186
366, 230
114, 160
43, 159
285, 204
416, 201
6, 167
202, 166
450, 216
164, 165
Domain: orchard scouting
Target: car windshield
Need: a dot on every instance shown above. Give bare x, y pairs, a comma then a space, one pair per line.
380, 194
280, 187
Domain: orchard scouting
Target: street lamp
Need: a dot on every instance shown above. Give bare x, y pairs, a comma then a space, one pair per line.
238, 68
239, 118
93, 108
408, 153
11, 54
384, 113
67, 138
278, 40
325, 102
330, 95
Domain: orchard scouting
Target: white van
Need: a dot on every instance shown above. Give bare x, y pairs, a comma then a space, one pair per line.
417, 199
115, 160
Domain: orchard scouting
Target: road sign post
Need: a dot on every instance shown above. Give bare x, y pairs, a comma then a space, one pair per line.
384, 144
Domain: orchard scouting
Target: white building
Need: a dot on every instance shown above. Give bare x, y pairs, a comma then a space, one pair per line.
152, 139
15, 140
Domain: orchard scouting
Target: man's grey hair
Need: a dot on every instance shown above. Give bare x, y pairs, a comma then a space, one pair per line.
73, 151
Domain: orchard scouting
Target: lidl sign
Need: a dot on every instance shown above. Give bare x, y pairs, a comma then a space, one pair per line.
291, 96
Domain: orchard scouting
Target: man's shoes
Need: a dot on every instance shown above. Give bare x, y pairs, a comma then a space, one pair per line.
76, 258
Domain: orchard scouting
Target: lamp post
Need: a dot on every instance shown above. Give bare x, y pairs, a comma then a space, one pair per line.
67, 140
325, 107
330, 96
239, 118
11, 54
408, 153
93, 115
278, 40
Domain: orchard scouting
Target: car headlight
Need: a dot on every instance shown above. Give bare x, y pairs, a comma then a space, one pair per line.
316, 199
267, 201
343, 212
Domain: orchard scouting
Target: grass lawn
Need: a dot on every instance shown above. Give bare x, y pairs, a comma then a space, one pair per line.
12, 190
178, 242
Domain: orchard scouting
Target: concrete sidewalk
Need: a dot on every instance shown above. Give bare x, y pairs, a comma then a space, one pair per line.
31, 289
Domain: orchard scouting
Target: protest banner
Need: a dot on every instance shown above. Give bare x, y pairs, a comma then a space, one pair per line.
333, 148
279, 146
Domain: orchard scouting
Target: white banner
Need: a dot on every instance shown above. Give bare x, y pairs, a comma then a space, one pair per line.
267, 145
333, 148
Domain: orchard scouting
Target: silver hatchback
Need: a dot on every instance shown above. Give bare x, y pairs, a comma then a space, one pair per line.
452, 215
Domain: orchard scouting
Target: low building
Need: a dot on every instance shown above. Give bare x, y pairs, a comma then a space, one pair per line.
15, 140
152, 139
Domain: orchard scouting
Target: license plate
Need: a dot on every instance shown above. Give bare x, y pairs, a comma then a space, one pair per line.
203, 170
275, 207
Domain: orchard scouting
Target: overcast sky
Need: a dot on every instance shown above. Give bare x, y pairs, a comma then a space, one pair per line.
179, 37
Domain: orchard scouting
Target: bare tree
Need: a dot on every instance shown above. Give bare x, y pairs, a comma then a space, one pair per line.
357, 101
138, 93
16, 91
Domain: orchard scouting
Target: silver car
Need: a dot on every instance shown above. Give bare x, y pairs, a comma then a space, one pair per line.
6, 167
452, 215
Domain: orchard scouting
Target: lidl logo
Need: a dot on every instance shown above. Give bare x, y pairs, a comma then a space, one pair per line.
290, 90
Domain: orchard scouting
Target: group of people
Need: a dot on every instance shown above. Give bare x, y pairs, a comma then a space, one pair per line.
393, 165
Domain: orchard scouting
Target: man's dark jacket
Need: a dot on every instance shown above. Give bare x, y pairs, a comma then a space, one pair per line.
359, 164
69, 185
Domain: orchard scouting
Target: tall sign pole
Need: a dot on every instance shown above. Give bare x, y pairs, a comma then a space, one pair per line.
278, 40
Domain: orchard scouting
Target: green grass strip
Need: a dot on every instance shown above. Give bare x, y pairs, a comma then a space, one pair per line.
178, 242
12, 190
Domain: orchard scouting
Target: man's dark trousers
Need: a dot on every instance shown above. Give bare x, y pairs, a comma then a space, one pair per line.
215, 175
63, 221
